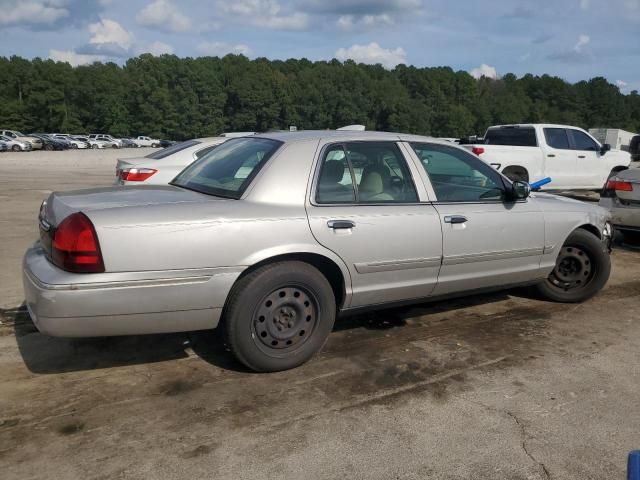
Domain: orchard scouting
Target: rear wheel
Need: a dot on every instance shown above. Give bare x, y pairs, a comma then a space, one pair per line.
279, 316
48, 147
582, 269
516, 174
94, 146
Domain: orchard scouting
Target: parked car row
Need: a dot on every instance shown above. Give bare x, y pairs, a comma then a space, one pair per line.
18, 142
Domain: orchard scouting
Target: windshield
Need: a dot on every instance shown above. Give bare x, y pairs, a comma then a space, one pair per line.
165, 152
227, 170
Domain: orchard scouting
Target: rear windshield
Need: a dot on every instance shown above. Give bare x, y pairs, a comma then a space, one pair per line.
227, 170
516, 137
165, 152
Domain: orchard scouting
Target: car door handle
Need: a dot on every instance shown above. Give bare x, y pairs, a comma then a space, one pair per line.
453, 219
551, 155
582, 156
340, 224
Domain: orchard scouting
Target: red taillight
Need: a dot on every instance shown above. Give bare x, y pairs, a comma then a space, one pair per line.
75, 246
478, 150
136, 174
619, 185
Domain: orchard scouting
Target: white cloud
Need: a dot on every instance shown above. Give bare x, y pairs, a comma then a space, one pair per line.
484, 70
264, 13
73, 58
621, 83
155, 48
32, 11
163, 15
110, 31
220, 49
583, 40
372, 54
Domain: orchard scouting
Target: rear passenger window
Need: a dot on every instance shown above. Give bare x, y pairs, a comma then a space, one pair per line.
377, 170
335, 184
557, 138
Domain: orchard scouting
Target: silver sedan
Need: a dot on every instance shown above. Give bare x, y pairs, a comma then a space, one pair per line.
621, 197
271, 236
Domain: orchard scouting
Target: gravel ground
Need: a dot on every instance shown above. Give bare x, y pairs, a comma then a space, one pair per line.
500, 386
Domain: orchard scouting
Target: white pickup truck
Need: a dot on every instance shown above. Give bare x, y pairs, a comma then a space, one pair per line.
143, 141
570, 156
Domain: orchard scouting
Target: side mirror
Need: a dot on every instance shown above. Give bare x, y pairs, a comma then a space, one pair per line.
520, 190
605, 148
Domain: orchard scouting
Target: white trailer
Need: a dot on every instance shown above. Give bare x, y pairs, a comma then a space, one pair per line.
618, 139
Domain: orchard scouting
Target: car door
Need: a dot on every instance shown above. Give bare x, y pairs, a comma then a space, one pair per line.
591, 169
487, 240
560, 159
366, 208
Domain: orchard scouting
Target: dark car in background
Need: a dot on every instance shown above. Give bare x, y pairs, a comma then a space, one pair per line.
634, 148
50, 143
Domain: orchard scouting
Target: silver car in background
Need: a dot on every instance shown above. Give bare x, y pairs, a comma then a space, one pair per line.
621, 196
16, 145
271, 236
162, 166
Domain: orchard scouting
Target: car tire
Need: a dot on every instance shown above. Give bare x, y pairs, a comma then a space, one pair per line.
48, 147
74, 146
278, 316
516, 174
94, 146
582, 269
155, 145
16, 148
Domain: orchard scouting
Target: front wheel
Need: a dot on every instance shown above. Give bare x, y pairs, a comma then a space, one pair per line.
279, 316
582, 269
16, 148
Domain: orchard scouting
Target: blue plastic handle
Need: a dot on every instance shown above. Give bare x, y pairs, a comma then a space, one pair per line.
633, 465
540, 183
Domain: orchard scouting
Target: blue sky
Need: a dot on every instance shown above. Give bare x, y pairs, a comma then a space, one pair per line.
574, 39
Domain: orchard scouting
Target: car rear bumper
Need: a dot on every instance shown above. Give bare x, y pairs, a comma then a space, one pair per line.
129, 303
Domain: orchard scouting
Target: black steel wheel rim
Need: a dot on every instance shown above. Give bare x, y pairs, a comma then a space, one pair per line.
574, 269
285, 319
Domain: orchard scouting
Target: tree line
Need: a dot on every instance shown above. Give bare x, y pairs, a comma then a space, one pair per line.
180, 98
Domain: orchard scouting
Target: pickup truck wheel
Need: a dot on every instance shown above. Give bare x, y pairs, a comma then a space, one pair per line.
279, 316
516, 174
582, 269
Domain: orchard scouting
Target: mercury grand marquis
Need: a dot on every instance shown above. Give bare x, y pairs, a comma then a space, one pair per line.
272, 236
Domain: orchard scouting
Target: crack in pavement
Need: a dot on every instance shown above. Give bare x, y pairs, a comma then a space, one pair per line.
523, 433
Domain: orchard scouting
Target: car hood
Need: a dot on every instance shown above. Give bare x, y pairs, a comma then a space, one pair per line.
62, 204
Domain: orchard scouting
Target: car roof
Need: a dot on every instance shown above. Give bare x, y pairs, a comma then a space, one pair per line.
345, 135
532, 125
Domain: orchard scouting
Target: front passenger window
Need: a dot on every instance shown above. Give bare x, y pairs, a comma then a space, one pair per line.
458, 176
